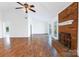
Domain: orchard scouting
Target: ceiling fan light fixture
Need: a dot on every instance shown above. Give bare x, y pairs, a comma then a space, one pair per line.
26, 7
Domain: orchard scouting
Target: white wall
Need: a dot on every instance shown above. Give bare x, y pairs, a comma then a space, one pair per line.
17, 23
53, 20
20, 27
39, 23
39, 27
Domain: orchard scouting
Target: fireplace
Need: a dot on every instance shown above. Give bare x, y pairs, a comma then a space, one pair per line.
68, 32
65, 39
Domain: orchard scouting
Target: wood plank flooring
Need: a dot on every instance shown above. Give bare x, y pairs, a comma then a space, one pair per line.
37, 46
64, 51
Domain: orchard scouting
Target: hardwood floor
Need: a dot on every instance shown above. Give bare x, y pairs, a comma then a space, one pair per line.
64, 51
37, 46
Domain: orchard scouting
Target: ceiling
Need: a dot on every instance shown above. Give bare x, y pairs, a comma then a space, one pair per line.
44, 10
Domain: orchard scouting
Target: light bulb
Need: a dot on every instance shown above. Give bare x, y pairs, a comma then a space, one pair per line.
26, 15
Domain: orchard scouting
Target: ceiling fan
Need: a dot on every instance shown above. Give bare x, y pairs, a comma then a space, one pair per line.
26, 7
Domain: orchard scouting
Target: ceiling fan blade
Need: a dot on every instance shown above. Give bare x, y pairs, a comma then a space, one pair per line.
20, 3
19, 7
32, 6
32, 10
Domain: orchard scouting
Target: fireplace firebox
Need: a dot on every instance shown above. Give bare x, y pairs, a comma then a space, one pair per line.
65, 39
